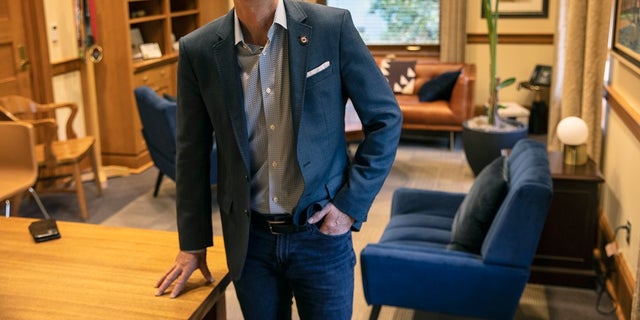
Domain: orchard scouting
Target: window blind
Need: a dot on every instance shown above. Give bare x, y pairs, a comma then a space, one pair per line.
395, 22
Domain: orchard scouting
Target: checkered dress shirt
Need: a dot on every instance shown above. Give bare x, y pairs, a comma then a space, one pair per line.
276, 180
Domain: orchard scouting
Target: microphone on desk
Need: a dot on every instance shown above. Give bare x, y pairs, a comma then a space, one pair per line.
46, 229
42, 208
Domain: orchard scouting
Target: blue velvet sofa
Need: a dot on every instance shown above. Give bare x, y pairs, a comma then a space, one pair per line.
463, 254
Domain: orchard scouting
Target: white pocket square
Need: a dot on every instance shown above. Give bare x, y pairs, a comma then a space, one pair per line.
318, 69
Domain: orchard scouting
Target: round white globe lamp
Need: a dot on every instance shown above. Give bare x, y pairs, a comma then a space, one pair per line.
573, 133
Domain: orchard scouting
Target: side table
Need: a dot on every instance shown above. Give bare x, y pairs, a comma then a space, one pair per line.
565, 251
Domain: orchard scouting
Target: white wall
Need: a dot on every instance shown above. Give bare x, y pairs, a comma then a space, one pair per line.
68, 87
621, 165
514, 60
59, 15
63, 46
476, 24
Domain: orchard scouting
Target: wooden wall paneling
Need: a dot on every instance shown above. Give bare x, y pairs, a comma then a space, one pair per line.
541, 39
210, 10
38, 50
627, 113
619, 279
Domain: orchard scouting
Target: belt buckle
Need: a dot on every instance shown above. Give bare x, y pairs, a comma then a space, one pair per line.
272, 223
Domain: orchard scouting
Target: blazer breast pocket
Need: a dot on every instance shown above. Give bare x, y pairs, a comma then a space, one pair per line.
319, 73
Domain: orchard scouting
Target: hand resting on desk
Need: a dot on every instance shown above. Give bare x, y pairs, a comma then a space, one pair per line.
186, 263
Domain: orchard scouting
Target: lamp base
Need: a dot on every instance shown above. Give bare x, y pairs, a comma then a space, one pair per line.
575, 155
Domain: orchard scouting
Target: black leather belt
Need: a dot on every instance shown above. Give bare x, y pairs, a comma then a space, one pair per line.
280, 223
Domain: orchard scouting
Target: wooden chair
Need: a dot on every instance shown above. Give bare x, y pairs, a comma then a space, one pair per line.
18, 165
58, 160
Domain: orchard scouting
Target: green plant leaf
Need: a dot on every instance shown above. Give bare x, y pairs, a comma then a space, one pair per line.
505, 83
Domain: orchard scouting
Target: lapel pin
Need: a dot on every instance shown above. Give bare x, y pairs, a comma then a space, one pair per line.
304, 40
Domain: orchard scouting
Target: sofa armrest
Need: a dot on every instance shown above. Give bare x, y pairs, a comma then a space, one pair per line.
407, 200
461, 102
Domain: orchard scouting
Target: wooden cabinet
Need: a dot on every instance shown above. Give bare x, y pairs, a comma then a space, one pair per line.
121, 70
565, 251
159, 79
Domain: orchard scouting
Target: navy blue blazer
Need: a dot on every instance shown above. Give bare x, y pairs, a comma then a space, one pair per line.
328, 63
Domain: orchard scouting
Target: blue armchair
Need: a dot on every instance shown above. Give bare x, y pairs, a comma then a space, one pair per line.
466, 255
158, 117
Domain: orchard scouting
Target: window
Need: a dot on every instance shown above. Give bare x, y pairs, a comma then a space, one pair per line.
404, 23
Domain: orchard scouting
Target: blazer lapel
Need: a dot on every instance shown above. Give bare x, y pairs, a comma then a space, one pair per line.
225, 55
299, 39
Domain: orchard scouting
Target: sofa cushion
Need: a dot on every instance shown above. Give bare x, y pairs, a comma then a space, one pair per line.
479, 207
410, 228
440, 87
401, 75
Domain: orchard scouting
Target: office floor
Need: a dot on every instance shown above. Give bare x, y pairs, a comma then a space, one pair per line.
128, 201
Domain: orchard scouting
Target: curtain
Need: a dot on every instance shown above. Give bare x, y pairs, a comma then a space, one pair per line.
581, 52
453, 30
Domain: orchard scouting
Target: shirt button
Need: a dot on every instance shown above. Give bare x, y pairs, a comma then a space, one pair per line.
274, 164
272, 127
268, 90
276, 199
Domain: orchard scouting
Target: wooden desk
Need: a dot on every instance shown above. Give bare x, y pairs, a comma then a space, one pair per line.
100, 272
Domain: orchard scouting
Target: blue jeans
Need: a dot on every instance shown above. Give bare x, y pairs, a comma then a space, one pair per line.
315, 268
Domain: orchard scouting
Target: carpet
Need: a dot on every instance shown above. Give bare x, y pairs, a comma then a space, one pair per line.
119, 192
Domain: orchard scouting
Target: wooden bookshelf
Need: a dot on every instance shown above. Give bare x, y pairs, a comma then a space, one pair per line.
159, 21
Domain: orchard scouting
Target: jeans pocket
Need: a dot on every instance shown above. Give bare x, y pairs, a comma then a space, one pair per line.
316, 230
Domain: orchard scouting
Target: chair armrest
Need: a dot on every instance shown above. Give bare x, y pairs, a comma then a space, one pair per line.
407, 200
5, 115
49, 130
461, 102
50, 109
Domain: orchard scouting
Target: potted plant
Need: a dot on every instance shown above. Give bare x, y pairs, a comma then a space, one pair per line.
484, 137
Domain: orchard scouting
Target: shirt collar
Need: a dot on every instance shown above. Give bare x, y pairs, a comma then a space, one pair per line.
280, 18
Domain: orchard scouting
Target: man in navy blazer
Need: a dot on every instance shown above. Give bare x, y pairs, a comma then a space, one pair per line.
271, 252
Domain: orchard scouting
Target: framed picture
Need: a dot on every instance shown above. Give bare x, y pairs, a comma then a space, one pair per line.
626, 42
150, 50
541, 76
522, 9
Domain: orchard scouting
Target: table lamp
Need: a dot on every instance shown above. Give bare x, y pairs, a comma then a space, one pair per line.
573, 133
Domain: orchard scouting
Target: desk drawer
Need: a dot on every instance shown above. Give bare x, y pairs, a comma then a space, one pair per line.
160, 79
